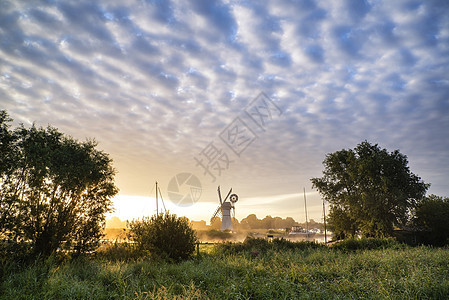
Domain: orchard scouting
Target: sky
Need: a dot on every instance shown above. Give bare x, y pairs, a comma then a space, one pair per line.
248, 95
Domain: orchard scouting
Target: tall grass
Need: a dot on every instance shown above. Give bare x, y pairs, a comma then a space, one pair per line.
274, 273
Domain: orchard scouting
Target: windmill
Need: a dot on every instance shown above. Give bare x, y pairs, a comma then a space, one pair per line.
225, 209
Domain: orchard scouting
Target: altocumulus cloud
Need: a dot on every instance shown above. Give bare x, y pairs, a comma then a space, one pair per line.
155, 81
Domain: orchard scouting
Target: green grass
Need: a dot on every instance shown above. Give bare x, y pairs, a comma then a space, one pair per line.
250, 271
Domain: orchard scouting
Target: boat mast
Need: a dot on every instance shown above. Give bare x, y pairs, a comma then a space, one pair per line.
325, 231
157, 204
307, 219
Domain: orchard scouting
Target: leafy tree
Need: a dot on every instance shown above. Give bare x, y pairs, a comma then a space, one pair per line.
215, 223
8, 162
235, 224
7, 140
56, 190
251, 221
288, 223
369, 190
431, 218
341, 223
164, 235
267, 222
115, 222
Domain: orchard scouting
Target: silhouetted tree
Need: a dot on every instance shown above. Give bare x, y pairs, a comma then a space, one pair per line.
235, 224
215, 223
251, 221
267, 223
198, 225
278, 222
369, 190
432, 219
288, 223
8, 163
55, 189
115, 222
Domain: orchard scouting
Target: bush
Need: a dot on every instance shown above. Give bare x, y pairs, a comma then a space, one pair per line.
164, 235
258, 245
301, 245
217, 234
368, 244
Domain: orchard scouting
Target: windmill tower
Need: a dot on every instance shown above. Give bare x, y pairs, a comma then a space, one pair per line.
225, 209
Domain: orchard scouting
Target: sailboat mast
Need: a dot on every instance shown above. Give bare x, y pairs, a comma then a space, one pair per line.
157, 204
305, 207
325, 231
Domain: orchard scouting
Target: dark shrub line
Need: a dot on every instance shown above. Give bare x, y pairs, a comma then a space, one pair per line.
257, 246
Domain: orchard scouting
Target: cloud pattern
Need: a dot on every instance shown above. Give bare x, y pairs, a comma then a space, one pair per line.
156, 81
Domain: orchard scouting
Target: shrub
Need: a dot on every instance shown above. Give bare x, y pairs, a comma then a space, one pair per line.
367, 244
302, 245
258, 245
217, 234
164, 235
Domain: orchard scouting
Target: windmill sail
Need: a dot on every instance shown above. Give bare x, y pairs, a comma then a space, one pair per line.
216, 213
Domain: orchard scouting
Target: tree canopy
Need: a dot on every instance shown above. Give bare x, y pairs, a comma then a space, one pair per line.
431, 219
252, 222
55, 190
370, 190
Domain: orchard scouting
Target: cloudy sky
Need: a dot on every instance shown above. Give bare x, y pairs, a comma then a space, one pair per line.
243, 94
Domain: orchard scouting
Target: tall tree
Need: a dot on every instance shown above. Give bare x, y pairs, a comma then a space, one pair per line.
8, 163
57, 191
370, 190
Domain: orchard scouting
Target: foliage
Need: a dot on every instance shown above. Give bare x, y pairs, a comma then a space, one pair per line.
341, 223
164, 235
7, 144
215, 223
432, 220
256, 246
119, 252
252, 222
55, 190
369, 190
368, 244
19, 252
218, 234
410, 273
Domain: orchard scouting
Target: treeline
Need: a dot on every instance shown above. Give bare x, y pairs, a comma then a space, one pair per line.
252, 222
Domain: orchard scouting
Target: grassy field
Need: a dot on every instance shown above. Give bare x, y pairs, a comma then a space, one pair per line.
256, 271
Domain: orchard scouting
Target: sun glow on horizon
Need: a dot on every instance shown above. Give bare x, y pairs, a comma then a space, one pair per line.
127, 207
135, 207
